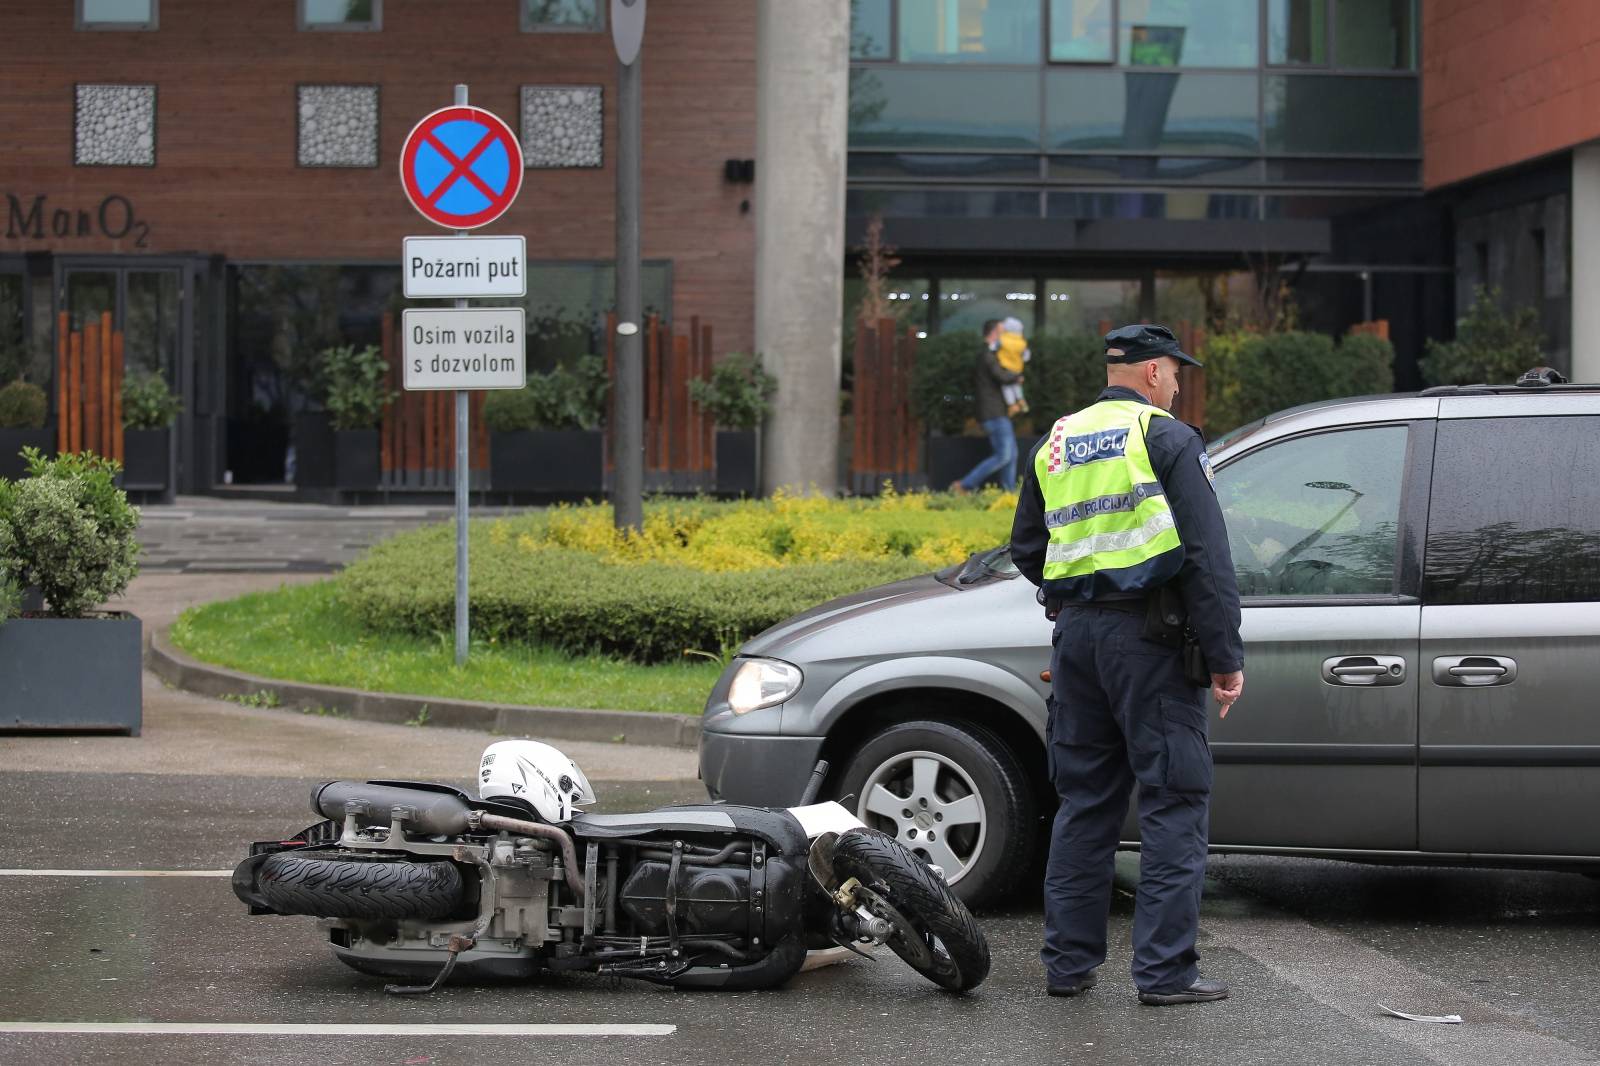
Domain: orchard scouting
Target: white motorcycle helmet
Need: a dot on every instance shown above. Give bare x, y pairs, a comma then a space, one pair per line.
536, 774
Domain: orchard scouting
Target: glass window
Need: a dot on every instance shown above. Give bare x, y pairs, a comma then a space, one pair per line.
1100, 169
539, 15
943, 203
966, 303
1515, 514
1375, 34
1297, 32
341, 14
1146, 111
965, 166
870, 33
1189, 33
150, 324
969, 31
1080, 31
118, 14
1317, 515
1169, 205
1315, 113
1345, 171
934, 109
1087, 305
17, 361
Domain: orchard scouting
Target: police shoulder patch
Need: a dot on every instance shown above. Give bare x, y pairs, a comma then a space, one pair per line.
1205, 468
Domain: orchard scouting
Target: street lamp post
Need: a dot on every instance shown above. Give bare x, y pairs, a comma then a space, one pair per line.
627, 33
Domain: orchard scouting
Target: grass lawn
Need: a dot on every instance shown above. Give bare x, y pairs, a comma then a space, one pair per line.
303, 633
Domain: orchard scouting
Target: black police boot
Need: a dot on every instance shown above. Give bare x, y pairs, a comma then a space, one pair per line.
1204, 990
1074, 986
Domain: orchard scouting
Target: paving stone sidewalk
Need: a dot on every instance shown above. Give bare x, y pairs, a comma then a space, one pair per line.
204, 534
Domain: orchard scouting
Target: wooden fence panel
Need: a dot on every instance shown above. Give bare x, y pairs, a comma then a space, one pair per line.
89, 369
885, 436
416, 438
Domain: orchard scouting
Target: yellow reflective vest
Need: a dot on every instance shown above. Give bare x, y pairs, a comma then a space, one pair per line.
1111, 528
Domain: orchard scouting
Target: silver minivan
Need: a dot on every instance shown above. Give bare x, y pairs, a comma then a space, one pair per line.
1421, 588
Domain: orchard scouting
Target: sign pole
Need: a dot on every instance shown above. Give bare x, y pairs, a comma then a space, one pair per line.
461, 167
463, 473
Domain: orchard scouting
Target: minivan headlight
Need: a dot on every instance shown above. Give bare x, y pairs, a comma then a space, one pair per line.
762, 683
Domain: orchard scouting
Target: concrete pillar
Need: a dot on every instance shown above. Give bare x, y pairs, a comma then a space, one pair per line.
1585, 279
802, 96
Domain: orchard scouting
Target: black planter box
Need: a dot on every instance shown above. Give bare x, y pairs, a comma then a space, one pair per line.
71, 674
739, 461
547, 460
146, 458
328, 458
12, 441
949, 458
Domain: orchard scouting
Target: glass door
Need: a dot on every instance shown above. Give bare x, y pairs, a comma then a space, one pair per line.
145, 310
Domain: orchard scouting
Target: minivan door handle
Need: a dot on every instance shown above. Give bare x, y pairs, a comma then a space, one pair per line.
1474, 671
1364, 670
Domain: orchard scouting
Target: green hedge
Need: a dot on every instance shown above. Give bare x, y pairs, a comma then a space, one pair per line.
1066, 372
1251, 375
574, 601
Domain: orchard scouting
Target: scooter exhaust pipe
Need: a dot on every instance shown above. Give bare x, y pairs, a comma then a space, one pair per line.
433, 813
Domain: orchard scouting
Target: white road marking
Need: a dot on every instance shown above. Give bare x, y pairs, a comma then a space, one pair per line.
116, 873
313, 1029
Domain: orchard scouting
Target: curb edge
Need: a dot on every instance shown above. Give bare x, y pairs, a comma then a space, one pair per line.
553, 723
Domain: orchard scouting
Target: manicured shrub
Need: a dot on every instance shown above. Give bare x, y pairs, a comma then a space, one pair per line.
942, 380
68, 530
1251, 375
23, 405
353, 386
564, 398
698, 576
147, 403
1065, 374
1492, 347
10, 596
737, 393
575, 601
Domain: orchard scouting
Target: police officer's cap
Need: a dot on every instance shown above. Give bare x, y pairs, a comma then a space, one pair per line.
1141, 342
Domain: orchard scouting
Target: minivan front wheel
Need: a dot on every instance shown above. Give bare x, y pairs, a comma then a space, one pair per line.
954, 794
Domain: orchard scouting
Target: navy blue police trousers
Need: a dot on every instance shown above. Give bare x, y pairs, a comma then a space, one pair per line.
1123, 715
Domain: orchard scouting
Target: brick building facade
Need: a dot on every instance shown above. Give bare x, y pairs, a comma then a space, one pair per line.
184, 144
1510, 127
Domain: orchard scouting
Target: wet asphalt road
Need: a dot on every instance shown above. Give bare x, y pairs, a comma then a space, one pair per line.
1311, 948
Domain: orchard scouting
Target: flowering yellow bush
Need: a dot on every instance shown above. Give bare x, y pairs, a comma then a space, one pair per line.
784, 530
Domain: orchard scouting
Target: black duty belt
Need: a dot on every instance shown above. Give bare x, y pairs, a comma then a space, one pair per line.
1138, 606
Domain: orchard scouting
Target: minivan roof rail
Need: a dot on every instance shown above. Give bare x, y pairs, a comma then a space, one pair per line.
1504, 390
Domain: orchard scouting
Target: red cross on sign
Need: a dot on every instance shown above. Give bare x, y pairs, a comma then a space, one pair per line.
461, 167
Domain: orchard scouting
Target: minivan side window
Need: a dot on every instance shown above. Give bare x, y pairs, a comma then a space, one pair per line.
1317, 515
1515, 511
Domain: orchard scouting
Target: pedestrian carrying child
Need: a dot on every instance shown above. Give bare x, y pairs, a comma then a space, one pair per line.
1013, 354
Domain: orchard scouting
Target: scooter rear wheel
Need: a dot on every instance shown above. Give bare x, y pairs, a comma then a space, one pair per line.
934, 933
360, 888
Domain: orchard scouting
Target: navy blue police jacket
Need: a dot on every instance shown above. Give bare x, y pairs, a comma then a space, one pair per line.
1206, 579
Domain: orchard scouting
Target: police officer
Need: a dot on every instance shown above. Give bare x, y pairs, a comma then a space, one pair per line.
1118, 525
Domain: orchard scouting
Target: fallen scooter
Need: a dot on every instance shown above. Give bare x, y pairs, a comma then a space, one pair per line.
420, 882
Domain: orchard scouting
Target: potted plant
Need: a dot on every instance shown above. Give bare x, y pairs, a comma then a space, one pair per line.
337, 447
23, 408
149, 410
942, 398
68, 531
545, 437
738, 396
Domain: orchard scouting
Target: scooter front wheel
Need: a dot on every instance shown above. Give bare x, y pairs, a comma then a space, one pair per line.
934, 933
